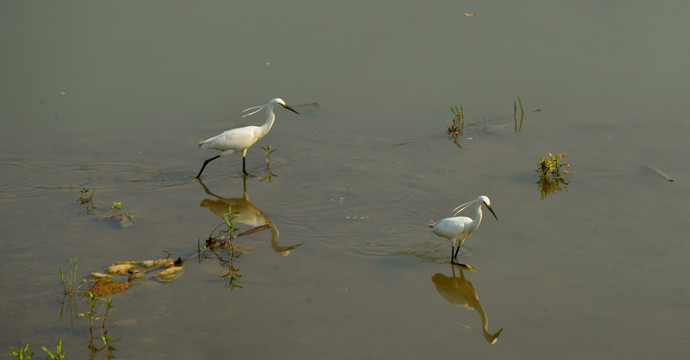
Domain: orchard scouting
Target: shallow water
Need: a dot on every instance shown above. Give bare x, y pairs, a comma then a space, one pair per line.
114, 96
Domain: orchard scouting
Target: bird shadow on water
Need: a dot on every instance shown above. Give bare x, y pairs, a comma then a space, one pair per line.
247, 213
460, 292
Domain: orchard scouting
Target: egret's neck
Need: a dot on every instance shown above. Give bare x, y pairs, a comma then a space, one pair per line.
478, 215
270, 118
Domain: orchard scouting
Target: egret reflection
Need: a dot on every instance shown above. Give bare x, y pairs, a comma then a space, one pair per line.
247, 213
460, 291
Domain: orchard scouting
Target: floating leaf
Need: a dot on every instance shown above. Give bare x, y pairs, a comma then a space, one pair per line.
120, 268
137, 275
170, 273
153, 263
106, 287
97, 275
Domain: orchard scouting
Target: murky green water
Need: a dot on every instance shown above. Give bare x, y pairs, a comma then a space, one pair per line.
113, 96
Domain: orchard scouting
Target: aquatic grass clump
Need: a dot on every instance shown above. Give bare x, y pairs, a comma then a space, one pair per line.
458, 123
22, 354
522, 111
70, 287
69, 283
59, 353
551, 167
552, 175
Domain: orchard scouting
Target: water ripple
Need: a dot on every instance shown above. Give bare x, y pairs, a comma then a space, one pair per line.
21, 180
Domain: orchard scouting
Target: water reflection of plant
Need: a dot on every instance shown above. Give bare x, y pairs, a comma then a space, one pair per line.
552, 175
224, 250
227, 255
269, 175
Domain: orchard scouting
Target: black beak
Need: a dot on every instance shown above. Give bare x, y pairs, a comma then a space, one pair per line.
291, 109
492, 211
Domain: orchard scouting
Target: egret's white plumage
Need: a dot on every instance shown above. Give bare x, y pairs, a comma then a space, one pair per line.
240, 139
458, 228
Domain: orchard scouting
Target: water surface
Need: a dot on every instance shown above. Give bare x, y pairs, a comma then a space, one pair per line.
114, 97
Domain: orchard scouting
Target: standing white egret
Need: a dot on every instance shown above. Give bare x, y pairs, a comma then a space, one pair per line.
458, 228
240, 139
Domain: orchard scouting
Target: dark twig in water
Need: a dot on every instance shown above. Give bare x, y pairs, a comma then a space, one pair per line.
660, 173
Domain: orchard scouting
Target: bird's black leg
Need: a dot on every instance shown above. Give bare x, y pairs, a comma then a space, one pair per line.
452, 251
244, 166
206, 162
456, 252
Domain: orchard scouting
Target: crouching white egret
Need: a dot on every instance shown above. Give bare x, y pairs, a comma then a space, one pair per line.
458, 228
240, 139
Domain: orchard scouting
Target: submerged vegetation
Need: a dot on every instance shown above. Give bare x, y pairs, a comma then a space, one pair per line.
124, 218
225, 251
86, 199
69, 282
552, 175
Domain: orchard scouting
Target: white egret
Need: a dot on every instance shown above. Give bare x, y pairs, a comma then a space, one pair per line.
458, 228
240, 139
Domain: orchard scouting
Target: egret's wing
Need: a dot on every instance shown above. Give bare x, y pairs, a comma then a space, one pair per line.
235, 139
450, 227
207, 141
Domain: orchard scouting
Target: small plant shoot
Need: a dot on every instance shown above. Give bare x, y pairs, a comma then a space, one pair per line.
22, 354
268, 150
